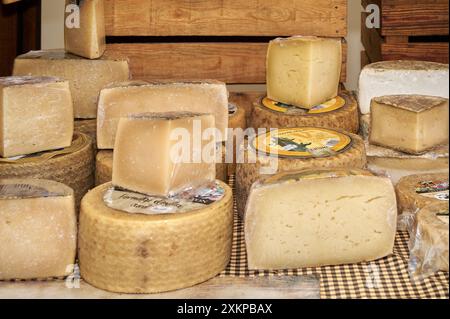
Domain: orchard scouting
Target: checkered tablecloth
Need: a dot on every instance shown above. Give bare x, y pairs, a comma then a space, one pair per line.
387, 278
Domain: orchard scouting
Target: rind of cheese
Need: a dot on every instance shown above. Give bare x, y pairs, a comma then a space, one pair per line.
38, 228
89, 40
236, 121
247, 172
303, 71
410, 198
345, 118
123, 99
402, 77
134, 253
36, 114
88, 127
86, 77
342, 217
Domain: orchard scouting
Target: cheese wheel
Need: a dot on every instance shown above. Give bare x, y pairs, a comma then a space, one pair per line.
138, 253
297, 149
88, 127
417, 191
338, 113
73, 166
364, 126
236, 120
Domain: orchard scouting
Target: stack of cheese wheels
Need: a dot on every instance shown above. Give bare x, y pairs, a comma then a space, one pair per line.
340, 112
417, 191
73, 166
295, 149
237, 121
138, 253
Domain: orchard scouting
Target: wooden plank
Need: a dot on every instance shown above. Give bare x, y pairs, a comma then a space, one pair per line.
229, 62
364, 59
302, 287
435, 52
8, 38
226, 17
31, 26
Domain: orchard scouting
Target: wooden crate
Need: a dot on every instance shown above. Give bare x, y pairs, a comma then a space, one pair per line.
410, 30
213, 39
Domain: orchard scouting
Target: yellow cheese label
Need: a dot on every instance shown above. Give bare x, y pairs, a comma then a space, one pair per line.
304, 142
332, 105
433, 189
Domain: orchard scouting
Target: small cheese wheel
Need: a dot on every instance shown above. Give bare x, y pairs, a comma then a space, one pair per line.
72, 166
137, 253
417, 191
88, 127
338, 113
295, 153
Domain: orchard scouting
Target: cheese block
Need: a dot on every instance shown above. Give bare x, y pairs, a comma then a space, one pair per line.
395, 164
316, 218
36, 115
88, 39
340, 112
122, 99
168, 152
300, 148
429, 241
417, 191
402, 77
38, 229
86, 77
364, 126
72, 166
88, 127
142, 253
412, 124
303, 71
237, 121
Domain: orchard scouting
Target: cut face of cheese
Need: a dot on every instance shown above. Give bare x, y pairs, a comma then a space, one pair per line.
303, 71
36, 114
402, 77
38, 229
88, 40
136, 97
86, 77
165, 153
410, 123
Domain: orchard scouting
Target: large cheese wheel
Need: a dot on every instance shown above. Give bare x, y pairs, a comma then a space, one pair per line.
338, 113
261, 158
417, 191
137, 253
73, 166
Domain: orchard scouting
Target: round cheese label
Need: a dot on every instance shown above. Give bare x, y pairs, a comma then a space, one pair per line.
433, 189
329, 106
304, 142
185, 202
232, 109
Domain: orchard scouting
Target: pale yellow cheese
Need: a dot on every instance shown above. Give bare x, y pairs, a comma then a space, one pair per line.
319, 217
86, 77
409, 123
38, 229
303, 71
36, 114
122, 99
88, 40
164, 153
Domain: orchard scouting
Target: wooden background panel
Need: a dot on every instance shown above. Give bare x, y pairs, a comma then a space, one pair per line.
226, 17
228, 62
8, 38
434, 52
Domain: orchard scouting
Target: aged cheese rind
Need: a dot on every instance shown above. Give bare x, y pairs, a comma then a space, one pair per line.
122, 99
134, 253
89, 40
303, 71
413, 124
86, 77
247, 173
341, 217
88, 127
36, 114
73, 166
38, 232
364, 126
402, 77
409, 200
147, 165
345, 118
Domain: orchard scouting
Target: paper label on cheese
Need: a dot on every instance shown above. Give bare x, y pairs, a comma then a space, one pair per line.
136, 203
433, 189
329, 106
14, 191
232, 109
305, 142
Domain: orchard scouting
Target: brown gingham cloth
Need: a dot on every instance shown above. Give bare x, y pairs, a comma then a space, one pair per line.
387, 278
